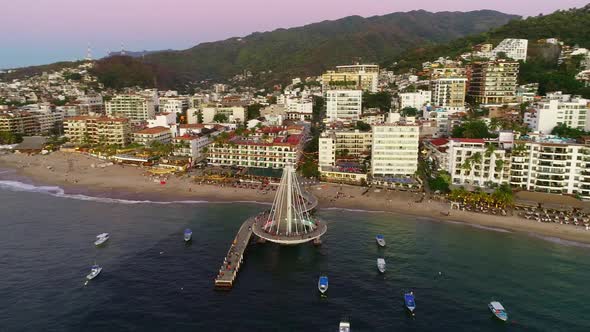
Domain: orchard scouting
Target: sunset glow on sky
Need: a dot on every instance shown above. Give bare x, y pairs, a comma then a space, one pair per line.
44, 31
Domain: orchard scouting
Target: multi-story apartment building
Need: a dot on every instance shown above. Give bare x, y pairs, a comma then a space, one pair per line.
551, 165
449, 93
137, 108
547, 114
299, 109
30, 123
394, 150
235, 114
98, 130
149, 135
493, 82
415, 99
192, 146
515, 49
256, 152
477, 162
173, 104
347, 144
344, 105
363, 77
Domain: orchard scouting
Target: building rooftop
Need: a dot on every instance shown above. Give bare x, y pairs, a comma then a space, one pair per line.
154, 130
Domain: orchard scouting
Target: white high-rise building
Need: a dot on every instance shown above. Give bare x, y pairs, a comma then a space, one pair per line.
345, 105
394, 150
136, 108
515, 49
573, 112
415, 99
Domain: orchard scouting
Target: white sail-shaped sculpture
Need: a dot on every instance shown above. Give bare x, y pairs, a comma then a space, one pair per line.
289, 220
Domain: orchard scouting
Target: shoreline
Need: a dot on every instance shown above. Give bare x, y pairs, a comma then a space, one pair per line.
78, 174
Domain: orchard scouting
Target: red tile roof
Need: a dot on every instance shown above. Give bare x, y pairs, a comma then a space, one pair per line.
439, 141
154, 130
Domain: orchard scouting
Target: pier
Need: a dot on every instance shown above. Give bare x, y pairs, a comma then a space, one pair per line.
235, 256
288, 222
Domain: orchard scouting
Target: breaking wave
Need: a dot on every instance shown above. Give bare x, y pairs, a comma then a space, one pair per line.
60, 192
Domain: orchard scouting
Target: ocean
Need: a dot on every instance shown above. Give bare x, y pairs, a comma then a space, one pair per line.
153, 281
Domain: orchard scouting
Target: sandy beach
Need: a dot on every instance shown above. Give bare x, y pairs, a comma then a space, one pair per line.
75, 172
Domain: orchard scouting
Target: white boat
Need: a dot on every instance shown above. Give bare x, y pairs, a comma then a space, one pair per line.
380, 240
323, 284
498, 310
344, 326
94, 272
188, 235
381, 265
101, 238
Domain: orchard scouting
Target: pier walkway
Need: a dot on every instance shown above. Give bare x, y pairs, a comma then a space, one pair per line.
235, 256
228, 272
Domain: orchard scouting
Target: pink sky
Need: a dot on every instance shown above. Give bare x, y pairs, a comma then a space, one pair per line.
42, 31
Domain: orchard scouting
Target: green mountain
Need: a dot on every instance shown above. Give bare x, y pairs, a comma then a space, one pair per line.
313, 48
301, 51
570, 26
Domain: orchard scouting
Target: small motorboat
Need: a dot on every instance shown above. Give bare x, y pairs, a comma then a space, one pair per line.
498, 310
101, 239
381, 265
410, 302
94, 272
188, 235
380, 240
323, 284
344, 326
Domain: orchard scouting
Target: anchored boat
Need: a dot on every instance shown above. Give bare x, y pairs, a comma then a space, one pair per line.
344, 326
323, 284
188, 235
380, 240
381, 265
94, 272
410, 302
498, 310
101, 238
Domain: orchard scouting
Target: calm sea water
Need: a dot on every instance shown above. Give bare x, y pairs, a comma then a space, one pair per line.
152, 281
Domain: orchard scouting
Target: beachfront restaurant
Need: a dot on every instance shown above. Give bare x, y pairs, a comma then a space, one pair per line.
347, 173
397, 183
134, 160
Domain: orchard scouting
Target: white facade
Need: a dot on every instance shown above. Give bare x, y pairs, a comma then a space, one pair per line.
173, 104
136, 108
394, 150
233, 114
163, 120
472, 162
327, 150
552, 167
345, 105
515, 49
415, 99
548, 114
191, 146
149, 135
440, 116
299, 109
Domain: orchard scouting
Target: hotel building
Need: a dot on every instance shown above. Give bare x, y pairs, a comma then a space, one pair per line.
98, 130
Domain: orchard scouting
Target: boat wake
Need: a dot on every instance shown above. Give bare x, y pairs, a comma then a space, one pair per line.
60, 192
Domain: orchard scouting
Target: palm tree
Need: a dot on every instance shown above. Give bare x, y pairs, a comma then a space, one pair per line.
499, 164
490, 148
